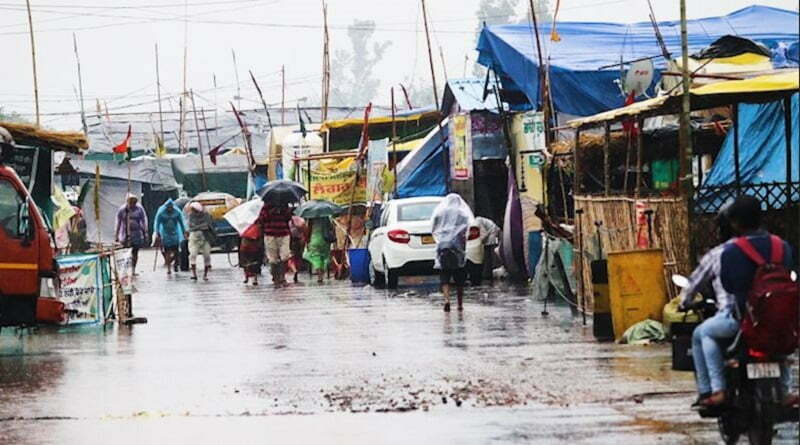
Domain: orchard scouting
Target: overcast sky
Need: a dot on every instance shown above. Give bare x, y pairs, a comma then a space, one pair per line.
116, 41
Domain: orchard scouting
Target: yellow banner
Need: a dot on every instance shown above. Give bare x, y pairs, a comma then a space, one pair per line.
338, 187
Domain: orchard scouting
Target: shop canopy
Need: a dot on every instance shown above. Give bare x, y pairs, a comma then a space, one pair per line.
345, 134
579, 87
759, 89
422, 172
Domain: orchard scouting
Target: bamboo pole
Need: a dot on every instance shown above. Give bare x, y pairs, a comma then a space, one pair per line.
405, 94
326, 63
158, 92
80, 84
685, 136
199, 143
283, 95
261, 96
394, 143
606, 163
238, 83
430, 54
541, 74
33, 59
639, 151
444, 66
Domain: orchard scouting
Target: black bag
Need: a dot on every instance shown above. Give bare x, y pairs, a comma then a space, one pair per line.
183, 256
681, 337
210, 234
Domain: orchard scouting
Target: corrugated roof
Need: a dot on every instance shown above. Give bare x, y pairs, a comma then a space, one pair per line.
467, 95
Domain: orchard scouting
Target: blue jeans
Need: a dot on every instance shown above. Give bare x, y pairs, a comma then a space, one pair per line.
709, 360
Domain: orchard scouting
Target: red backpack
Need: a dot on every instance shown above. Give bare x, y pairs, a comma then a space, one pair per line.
770, 323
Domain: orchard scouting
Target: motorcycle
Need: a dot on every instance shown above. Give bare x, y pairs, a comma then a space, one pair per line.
753, 395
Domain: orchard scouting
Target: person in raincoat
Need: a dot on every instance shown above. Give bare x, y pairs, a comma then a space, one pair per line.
131, 227
200, 230
251, 253
170, 231
451, 219
318, 250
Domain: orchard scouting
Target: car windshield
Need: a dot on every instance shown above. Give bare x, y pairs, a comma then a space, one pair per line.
420, 211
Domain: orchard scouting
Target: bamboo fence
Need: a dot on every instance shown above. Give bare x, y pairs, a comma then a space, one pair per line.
619, 229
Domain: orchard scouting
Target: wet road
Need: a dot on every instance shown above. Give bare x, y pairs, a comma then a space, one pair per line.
221, 362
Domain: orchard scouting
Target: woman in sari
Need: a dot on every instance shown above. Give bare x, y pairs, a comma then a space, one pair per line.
318, 249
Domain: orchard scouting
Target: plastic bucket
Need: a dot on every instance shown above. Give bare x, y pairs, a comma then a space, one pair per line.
359, 265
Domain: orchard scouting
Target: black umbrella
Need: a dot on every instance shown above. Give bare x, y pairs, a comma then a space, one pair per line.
282, 192
318, 208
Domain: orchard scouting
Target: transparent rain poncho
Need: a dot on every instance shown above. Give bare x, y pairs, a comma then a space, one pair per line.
451, 219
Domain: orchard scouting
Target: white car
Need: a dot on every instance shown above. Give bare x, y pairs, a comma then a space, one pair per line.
402, 244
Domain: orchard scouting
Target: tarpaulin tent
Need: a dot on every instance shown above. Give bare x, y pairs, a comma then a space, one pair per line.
762, 147
229, 175
422, 172
580, 88
467, 95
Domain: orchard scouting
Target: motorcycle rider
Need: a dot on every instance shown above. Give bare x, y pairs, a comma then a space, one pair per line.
736, 274
705, 347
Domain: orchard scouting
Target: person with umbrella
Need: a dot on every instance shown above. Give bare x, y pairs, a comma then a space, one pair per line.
274, 220
319, 228
170, 231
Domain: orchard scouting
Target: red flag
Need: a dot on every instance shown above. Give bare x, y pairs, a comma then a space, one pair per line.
364, 142
214, 152
123, 147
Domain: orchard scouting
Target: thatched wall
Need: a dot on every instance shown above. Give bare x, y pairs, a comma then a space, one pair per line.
27, 134
619, 231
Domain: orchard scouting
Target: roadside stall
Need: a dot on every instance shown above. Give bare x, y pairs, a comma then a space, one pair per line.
640, 215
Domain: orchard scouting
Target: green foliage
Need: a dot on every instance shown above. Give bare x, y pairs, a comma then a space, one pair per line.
353, 71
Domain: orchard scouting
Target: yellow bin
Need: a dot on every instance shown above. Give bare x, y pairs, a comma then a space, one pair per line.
636, 287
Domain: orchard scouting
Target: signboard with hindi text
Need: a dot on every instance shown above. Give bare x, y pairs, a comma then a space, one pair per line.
460, 147
81, 288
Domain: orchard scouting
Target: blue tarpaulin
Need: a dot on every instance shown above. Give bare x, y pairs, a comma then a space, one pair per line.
579, 88
422, 172
762, 147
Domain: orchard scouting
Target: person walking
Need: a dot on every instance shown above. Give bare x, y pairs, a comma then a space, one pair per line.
170, 231
451, 219
318, 250
131, 227
251, 253
274, 220
490, 238
297, 245
200, 232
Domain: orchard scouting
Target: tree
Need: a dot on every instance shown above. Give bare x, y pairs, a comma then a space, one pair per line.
353, 72
501, 12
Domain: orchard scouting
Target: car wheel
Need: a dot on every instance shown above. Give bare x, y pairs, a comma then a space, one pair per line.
475, 273
392, 276
376, 279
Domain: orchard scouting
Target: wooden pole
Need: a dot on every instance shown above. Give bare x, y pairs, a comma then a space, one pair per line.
261, 96
326, 64
639, 154
606, 163
216, 107
394, 143
578, 178
33, 58
685, 136
787, 122
238, 84
160, 109
199, 143
283, 95
736, 167
182, 123
430, 54
405, 94
444, 66
543, 85
80, 84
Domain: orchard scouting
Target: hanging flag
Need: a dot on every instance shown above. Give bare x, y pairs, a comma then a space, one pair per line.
251, 159
161, 150
214, 152
124, 146
302, 123
364, 141
554, 36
